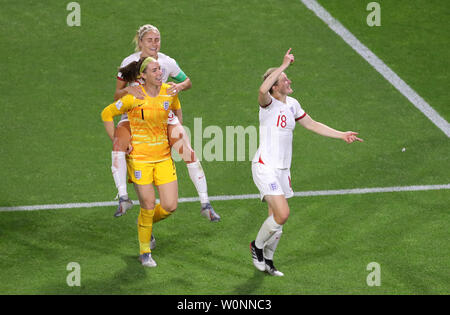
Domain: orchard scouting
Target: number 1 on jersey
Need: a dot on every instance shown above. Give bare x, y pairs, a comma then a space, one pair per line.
281, 121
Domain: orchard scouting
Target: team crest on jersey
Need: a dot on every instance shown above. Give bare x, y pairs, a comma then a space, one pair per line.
119, 104
166, 105
273, 186
292, 109
138, 174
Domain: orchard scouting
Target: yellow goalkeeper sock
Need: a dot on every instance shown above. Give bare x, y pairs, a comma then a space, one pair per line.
145, 226
160, 213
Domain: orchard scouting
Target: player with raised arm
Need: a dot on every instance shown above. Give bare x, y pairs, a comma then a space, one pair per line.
148, 44
278, 115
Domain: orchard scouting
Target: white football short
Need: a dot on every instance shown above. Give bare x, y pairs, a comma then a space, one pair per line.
171, 120
272, 181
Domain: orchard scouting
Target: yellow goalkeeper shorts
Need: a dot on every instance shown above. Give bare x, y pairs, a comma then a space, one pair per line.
144, 173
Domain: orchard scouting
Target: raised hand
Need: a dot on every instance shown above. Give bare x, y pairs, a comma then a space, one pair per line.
288, 58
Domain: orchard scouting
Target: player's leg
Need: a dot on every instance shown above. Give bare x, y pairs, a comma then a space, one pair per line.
279, 210
263, 247
269, 251
146, 195
179, 140
122, 138
267, 181
167, 185
270, 247
168, 195
284, 178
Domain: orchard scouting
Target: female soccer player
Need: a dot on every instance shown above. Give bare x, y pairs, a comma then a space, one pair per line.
278, 114
150, 162
148, 44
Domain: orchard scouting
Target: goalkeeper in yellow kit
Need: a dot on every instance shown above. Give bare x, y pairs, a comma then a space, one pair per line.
149, 163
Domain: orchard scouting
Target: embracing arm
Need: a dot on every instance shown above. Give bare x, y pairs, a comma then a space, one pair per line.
185, 85
175, 88
324, 130
173, 91
122, 89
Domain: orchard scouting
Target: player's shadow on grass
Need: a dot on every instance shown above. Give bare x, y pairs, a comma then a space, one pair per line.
251, 285
126, 281
131, 274
136, 279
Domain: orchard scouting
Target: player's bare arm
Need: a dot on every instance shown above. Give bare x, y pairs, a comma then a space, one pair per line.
122, 89
324, 130
109, 127
264, 95
178, 87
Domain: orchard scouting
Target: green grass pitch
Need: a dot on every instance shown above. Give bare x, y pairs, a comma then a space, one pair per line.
54, 150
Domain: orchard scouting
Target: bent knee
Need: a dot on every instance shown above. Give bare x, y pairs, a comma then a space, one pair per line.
147, 204
170, 207
284, 219
281, 218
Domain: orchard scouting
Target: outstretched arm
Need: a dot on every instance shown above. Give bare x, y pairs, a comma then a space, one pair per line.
264, 96
324, 130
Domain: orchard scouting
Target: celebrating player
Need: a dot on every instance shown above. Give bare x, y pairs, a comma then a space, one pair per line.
148, 43
278, 115
150, 160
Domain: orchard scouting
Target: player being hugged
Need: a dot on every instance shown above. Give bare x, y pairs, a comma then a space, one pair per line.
150, 162
278, 115
148, 44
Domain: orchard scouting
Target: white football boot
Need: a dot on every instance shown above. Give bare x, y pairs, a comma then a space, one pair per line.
147, 260
257, 257
271, 270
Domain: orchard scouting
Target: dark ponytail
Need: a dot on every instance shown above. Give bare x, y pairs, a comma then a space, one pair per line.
130, 72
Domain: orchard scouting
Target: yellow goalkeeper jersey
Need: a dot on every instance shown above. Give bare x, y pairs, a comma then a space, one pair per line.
148, 122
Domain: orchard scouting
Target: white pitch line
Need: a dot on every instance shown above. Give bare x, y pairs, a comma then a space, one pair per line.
236, 197
379, 65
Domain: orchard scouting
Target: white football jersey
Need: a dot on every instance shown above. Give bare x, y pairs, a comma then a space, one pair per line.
169, 66
276, 125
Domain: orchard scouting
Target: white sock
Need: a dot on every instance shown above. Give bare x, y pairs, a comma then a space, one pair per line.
119, 172
271, 245
268, 228
198, 177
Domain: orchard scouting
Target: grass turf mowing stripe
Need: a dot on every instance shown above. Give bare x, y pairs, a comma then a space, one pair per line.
237, 197
379, 65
